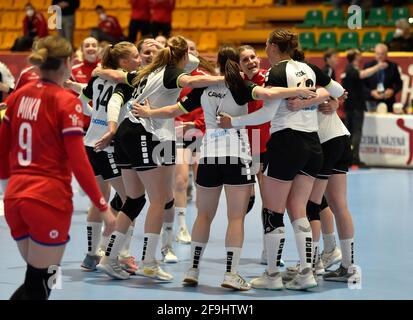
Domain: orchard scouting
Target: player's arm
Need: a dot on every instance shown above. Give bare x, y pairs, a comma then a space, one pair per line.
333, 87
261, 93
298, 104
111, 75
186, 105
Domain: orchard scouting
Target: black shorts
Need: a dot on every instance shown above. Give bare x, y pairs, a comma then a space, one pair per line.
215, 172
337, 157
103, 164
291, 152
139, 149
193, 144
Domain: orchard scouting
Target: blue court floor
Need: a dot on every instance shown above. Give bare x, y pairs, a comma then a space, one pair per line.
382, 205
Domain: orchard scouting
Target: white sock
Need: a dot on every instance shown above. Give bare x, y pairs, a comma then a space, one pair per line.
197, 251
116, 241
181, 214
233, 256
329, 241
167, 234
347, 251
94, 233
125, 251
104, 242
274, 244
315, 253
303, 241
150, 243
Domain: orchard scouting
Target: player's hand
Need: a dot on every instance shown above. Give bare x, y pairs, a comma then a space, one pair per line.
224, 120
343, 97
329, 107
3, 106
382, 65
142, 111
295, 104
388, 93
96, 71
110, 222
104, 141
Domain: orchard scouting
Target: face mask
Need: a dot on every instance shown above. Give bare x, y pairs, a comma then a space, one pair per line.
102, 16
398, 33
30, 12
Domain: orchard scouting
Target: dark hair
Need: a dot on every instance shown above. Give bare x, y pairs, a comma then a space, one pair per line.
228, 61
206, 65
352, 54
245, 47
284, 39
328, 53
298, 55
99, 7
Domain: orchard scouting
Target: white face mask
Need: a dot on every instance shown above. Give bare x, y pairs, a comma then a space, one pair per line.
30, 12
398, 33
102, 16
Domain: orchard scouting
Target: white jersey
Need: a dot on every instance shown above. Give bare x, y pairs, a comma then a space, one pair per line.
161, 88
215, 99
99, 91
330, 126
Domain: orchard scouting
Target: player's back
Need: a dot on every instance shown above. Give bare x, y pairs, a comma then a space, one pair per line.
39, 116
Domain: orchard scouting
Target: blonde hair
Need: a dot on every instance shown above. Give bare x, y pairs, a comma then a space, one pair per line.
175, 50
112, 54
50, 52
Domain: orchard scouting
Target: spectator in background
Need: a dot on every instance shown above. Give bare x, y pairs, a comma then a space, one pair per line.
140, 19
331, 62
402, 37
69, 8
161, 39
6, 80
108, 29
161, 17
34, 27
355, 105
384, 85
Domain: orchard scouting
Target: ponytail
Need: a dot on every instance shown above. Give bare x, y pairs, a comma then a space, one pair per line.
233, 78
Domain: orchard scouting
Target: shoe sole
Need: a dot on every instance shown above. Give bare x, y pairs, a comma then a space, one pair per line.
190, 282
112, 275
170, 261
303, 289
266, 288
153, 277
183, 242
87, 269
338, 260
336, 279
229, 286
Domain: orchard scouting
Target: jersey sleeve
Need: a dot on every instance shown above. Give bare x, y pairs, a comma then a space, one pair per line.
87, 91
130, 76
171, 77
71, 116
191, 101
124, 91
276, 77
242, 97
322, 79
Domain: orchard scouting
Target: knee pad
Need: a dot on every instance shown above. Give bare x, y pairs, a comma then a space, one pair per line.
323, 204
170, 204
116, 203
132, 207
313, 211
251, 203
271, 220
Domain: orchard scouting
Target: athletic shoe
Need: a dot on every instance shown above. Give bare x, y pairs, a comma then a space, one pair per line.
90, 262
191, 277
290, 273
330, 258
101, 252
112, 268
302, 281
128, 264
183, 236
264, 259
169, 255
268, 281
235, 281
342, 274
154, 271
319, 267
